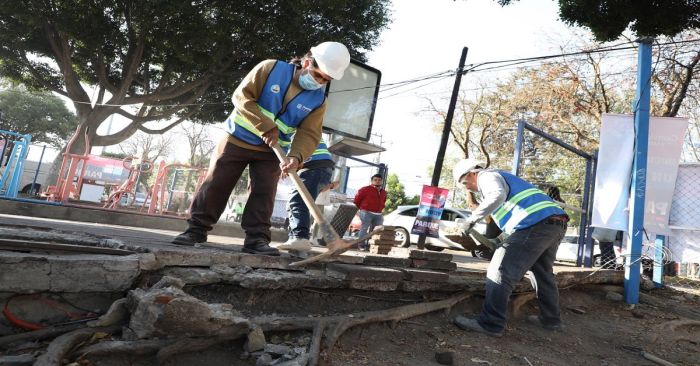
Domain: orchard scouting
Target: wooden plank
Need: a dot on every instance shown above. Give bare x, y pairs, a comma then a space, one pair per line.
13, 244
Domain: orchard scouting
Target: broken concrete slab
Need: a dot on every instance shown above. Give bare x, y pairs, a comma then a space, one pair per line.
431, 256
194, 275
284, 280
267, 261
23, 272
386, 286
429, 264
364, 273
169, 312
148, 262
412, 286
174, 255
386, 261
421, 275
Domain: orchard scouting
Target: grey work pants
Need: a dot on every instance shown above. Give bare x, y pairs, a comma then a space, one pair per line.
228, 163
535, 249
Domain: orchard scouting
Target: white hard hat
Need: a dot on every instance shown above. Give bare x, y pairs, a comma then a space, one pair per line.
332, 58
465, 166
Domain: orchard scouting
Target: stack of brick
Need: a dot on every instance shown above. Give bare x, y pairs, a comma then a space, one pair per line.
432, 260
382, 242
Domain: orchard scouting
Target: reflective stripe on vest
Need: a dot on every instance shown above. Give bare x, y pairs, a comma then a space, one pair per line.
271, 105
321, 152
525, 205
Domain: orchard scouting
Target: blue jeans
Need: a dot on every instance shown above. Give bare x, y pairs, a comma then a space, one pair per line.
299, 220
369, 221
535, 249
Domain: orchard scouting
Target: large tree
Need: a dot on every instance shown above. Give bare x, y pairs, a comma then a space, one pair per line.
43, 115
607, 19
566, 98
159, 60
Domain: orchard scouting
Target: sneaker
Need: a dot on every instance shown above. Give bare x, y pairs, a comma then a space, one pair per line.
296, 244
536, 320
260, 247
465, 323
189, 238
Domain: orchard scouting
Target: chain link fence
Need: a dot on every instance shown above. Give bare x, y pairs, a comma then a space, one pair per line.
682, 262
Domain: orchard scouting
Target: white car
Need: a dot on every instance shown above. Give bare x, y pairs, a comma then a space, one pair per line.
404, 216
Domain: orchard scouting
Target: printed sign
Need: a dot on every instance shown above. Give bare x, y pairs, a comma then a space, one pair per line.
432, 202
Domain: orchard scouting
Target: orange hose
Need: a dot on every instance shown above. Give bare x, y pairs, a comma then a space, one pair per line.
19, 322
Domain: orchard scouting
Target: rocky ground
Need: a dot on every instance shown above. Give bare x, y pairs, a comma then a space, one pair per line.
598, 327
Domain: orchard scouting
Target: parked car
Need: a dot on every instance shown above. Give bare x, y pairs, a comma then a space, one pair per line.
404, 216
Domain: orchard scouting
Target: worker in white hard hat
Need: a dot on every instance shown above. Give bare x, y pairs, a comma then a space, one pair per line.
275, 101
536, 226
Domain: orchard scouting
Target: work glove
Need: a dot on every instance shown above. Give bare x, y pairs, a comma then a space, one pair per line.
467, 227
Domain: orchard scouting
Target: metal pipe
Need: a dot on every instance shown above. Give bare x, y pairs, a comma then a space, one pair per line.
639, 171
38, 166
517, 152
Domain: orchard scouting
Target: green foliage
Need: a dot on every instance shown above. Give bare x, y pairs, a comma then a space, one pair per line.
395, 194
175, 58
44, 116
607, 19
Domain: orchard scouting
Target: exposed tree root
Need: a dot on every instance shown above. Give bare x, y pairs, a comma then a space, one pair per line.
37, 335
140, 347
62, 346
395, 314
315, 349
183, 345
330, 326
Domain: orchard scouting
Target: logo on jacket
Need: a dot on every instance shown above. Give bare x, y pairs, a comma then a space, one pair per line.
304, 108
275, 88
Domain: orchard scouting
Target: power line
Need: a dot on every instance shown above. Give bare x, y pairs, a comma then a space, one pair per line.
472, 68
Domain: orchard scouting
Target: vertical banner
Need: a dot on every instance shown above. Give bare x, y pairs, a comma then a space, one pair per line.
610, 204
432, 201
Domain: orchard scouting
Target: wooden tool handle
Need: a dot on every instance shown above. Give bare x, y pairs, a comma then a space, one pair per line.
327, 231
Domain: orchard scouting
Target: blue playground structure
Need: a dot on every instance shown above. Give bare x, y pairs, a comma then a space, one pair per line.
13, 151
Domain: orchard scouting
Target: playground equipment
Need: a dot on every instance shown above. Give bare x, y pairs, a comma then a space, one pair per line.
136, 167
158, 191
67, 184
14, 163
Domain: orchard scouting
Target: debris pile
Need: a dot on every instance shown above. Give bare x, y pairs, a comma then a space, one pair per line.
383, 241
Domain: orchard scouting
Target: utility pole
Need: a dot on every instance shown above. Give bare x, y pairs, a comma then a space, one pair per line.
446, 130
639, 170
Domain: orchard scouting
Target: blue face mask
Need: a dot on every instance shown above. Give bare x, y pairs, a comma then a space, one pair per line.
307, 81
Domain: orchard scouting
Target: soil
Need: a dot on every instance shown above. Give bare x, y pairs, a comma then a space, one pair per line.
595, 337
596, 329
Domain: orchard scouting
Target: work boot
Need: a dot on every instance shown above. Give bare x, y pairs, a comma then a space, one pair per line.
296, 244
465, 323
260, 247
189, 238
536, 320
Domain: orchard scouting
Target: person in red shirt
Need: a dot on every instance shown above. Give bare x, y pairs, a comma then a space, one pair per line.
370, 200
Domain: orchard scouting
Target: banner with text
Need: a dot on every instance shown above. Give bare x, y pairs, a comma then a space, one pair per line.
432, 201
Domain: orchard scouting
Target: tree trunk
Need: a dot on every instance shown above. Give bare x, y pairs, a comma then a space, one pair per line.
77, 146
